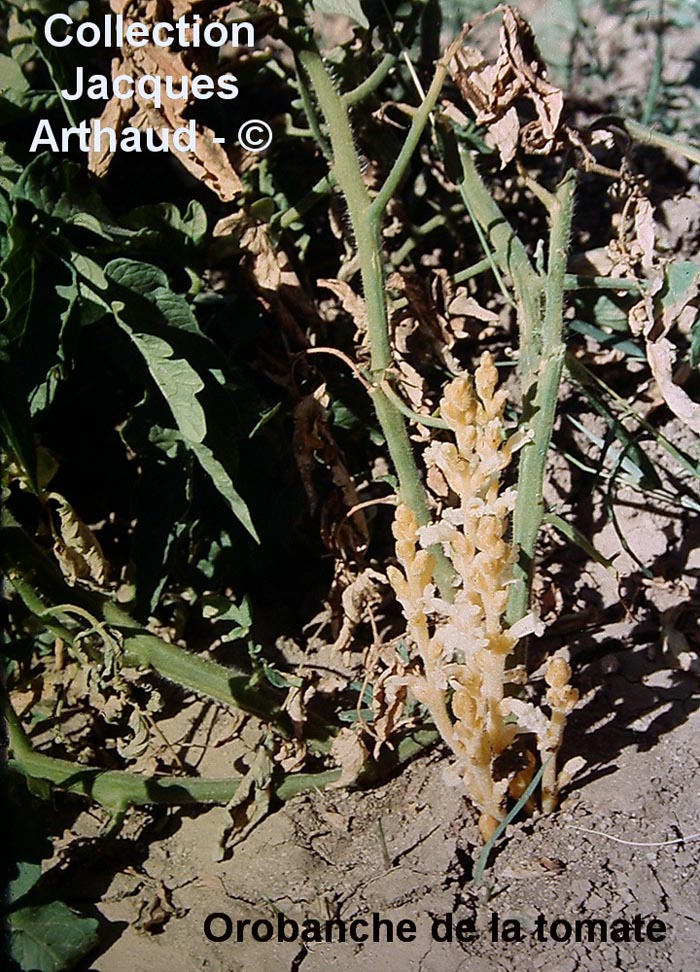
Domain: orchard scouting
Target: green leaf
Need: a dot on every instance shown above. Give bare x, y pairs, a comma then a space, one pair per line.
633, 462
60, 190
619, 342
50, 937
216, 607
695, 343
18, 269
265, 416
164, 220
161, 518
572, 533
176, 379
680, 285
17, 99
28, 874
604, 310
352, 9
10, 171
221, 478
15, 421
149, 282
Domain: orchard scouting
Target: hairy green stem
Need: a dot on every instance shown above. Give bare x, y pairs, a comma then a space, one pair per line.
313, 196
656, 79
512, 258
116, 790
540, 304
42, 588
366, 219
430, 421
371, 83
647, 136
581, 281
475, 270
420, 120
540, 403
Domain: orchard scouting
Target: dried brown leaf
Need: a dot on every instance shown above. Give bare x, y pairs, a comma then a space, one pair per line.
357, 599
493, 90
645, 231
351, 754
251, 802
76, 547
661, 355
352, 303
333, 490
208, 161
389, 694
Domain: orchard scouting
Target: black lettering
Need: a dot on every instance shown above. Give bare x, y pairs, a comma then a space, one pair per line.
354, 925
620, 931
465, 930
656, 930
589, 926
442, 928
287, 928
312, 931
262, 930
377, 924
340, 924
565, 934
406, 930
511, 931
228, 927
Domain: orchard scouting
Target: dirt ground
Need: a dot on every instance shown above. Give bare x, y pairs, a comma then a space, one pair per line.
407, 849
322, 856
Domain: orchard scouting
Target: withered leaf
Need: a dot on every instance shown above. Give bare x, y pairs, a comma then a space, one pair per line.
251, 802
389, 695
494, 90
208, 162
352, 303
76, 547
350, 753
358, 597
661, 355
271, 274
333, 492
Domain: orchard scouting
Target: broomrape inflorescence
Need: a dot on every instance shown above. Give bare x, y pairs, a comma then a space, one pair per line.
465, 648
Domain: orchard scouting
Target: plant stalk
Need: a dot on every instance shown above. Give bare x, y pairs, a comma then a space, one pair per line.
116, 790
540, 403
366, 219
512, 258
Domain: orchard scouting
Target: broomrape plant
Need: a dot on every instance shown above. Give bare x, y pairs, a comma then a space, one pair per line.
465, 645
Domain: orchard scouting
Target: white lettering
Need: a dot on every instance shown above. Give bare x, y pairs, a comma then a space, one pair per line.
85, 31
211, 30
137, 35
81, 132
44, 136
48, 30
228, 87
117, 87
98, 89
111, 32
98, 130
157, 35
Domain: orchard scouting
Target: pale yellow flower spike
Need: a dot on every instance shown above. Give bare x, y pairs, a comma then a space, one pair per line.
464, 646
